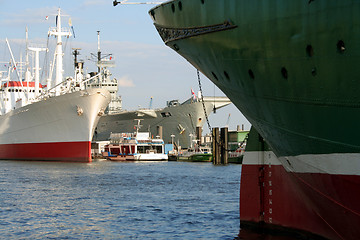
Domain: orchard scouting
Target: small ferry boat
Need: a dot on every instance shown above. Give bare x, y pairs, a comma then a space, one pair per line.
138, 146
196, 154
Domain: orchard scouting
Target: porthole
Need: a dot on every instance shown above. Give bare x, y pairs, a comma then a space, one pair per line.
314, 71
309, 51
226, 75
251, 74
340, 46
284, 72
202, 1
214, 75
180, 5
173, 8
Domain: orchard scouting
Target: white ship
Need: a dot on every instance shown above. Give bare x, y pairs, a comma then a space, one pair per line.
55, 122
177, 120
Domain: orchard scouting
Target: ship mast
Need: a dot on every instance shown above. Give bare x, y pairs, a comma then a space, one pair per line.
99, 52
58, 51
37, 67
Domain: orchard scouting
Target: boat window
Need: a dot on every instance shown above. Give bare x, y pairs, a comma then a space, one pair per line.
114, 151
158, 149
127, 150
141, 149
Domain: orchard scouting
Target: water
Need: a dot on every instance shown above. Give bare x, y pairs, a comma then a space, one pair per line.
117, 200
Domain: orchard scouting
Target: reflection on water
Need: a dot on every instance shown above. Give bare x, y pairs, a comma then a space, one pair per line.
112, 200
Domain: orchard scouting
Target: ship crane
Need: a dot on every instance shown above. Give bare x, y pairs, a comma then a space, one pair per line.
125, 2
228, 120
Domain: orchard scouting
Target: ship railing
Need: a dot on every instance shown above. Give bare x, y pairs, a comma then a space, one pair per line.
51, 92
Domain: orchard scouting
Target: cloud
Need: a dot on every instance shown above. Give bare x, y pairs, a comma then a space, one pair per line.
125, 81
28, 16
95, 2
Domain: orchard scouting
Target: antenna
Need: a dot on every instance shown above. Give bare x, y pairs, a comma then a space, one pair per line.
125, 2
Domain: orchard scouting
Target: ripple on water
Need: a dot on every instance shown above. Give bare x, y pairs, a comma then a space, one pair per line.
109, 200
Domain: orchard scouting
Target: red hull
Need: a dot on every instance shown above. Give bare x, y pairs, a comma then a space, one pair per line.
322, 204
59, 151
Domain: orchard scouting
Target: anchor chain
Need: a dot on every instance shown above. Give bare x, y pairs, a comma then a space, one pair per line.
203, 103
206, 116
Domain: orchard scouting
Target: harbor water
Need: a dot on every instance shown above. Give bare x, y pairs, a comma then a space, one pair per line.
118, 200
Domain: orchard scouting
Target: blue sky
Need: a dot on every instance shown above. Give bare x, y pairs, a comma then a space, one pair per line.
145, 67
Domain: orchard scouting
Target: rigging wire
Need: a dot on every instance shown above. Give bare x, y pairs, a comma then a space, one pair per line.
45, 62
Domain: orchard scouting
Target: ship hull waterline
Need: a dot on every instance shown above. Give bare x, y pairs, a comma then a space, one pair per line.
56, 129
292, 71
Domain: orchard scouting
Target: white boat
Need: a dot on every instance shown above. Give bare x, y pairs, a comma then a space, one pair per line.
49, 123
138, 146
196, 154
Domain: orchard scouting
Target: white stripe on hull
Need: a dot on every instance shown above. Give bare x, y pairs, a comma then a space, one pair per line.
336, 163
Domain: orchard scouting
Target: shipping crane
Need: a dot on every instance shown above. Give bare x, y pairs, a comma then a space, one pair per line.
228, 120
125, 2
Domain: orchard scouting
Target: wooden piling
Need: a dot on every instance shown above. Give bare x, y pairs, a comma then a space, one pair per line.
216, 146
224, 145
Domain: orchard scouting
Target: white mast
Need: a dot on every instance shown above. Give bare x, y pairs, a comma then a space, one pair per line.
37, 67
99, 57
58, 52
27, 70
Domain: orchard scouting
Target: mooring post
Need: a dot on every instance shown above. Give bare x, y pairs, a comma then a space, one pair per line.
216, 146
224, 145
